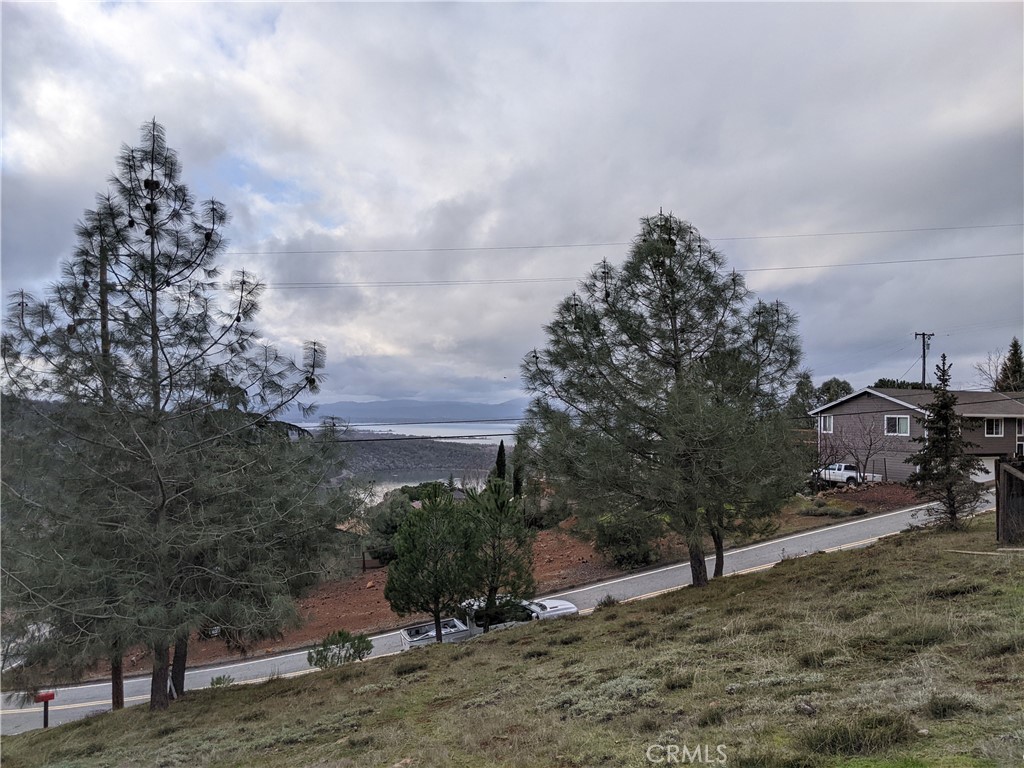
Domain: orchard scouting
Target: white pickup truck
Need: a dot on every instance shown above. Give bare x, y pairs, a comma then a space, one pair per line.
837, 474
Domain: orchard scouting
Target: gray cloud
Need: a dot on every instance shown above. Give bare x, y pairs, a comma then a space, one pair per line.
355, 126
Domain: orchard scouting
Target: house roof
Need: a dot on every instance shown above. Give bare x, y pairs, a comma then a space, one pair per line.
969, 403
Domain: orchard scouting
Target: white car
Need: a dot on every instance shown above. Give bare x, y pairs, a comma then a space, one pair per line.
422, 635
512, 612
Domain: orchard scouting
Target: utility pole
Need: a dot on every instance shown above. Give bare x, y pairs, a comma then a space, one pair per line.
924, 354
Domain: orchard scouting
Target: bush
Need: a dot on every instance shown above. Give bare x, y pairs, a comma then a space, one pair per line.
627, 542
383, 521
606, 602
339, 648
221, 681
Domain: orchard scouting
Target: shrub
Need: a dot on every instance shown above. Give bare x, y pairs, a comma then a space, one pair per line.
606, 602
628, 542
383, 521
221, 681
339, 648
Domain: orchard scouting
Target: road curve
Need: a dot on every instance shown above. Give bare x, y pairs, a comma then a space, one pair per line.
77, 701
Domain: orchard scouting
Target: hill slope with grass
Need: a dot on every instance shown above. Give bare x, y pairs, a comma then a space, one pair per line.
909, 653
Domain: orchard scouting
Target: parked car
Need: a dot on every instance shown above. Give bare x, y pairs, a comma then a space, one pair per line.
420, 635
512, 612
837, 474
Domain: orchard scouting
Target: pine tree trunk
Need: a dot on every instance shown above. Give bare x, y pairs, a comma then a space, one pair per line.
117, 682
716, 536
178, 665
698, 568
437, 627
158, 698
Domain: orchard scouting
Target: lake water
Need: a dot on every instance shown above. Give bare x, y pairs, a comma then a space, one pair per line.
388, 481
474, 433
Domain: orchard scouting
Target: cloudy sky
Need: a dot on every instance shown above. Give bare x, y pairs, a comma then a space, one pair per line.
384, 156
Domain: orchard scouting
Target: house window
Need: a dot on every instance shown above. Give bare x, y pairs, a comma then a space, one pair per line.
826, 424
993, 427
1020, 427
897, 425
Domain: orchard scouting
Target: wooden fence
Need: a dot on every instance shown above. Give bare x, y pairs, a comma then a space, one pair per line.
1010, 501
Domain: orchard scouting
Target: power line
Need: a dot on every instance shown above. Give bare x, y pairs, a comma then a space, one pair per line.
542, 246
527, 280
887, 261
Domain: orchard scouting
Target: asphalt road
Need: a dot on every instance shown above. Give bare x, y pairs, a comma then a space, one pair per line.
74, 702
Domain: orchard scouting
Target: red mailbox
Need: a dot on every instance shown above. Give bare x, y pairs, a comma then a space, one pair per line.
45, 697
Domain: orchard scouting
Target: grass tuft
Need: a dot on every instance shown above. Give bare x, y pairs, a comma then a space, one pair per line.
403, 668
860, 735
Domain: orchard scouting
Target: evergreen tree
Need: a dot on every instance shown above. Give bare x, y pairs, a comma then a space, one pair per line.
831, 390
433, 568
504, 559
499, 471
1011, 372
801, 401
944, 466
640, 370
901, 384
176, 500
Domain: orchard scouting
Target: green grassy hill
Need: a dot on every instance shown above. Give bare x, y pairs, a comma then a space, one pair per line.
904, 654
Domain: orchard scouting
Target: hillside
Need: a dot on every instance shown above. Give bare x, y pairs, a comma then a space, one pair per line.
368, 452
397, 411
909, 653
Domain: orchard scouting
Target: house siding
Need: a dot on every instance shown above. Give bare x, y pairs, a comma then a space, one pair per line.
861, 420
993, 446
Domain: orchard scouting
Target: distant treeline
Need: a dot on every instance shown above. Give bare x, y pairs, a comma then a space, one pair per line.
390, 453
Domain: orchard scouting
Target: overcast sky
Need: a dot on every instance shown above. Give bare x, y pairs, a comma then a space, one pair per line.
339, 127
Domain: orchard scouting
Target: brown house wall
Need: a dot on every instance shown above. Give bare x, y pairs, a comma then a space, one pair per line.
994, 446
855, 418
863, 418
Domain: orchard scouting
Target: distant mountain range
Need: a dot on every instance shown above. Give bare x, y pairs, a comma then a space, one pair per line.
412, 411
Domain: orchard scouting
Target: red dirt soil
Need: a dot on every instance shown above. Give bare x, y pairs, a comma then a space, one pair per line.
561, 561
357, 604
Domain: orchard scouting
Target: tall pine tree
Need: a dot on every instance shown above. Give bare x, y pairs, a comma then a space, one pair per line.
176, 499
1011, 372
642, 369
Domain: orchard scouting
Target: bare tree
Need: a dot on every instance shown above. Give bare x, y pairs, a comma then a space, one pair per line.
864, 442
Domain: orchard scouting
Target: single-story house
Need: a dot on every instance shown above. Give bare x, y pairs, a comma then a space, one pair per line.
874, 428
